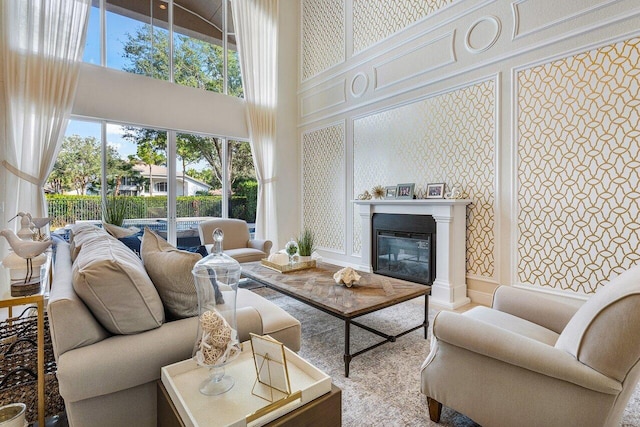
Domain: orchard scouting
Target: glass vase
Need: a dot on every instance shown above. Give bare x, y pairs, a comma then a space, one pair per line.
216, 279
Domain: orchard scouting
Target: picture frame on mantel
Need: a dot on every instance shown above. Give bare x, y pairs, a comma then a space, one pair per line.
390, 192
405, 191
435, 191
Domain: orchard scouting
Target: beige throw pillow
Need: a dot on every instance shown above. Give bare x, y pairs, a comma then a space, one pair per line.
170, 271
119, 232
111, 280
83, 233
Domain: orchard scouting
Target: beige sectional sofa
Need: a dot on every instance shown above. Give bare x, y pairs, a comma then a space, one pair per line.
106, 367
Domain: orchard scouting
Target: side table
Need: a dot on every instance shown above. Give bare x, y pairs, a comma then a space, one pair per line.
325, 411
9, 302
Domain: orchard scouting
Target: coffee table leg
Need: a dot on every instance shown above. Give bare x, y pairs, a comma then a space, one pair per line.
347, 350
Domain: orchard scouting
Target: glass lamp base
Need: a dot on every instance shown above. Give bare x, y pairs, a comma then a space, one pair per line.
217, 383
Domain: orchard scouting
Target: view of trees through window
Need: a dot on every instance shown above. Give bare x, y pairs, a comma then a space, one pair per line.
136, 167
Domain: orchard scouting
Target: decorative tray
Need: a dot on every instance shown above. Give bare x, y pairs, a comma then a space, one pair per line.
239, 407
286, 268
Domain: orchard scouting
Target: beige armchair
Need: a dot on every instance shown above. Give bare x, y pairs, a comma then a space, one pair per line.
237, 242
531, 360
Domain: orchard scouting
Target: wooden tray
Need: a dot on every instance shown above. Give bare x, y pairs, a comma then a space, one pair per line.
289, 268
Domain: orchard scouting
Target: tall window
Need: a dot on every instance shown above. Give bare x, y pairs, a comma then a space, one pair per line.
130, 164
194, 46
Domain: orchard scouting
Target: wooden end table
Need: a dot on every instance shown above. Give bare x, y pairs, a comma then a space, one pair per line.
325, 411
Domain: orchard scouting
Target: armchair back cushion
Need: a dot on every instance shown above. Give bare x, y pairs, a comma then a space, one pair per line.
605, 332
236, 232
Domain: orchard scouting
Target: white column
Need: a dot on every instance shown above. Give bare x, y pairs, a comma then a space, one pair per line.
366, 215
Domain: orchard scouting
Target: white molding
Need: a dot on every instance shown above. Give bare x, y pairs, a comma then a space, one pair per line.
497, 28
361, 58
488, 62
516, 13
340, 85
358, 94
398, 58
549, 291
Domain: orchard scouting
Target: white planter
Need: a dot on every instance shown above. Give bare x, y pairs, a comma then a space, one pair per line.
13, 415
304, 258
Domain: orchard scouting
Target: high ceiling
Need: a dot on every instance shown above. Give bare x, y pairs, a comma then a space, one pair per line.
200, 19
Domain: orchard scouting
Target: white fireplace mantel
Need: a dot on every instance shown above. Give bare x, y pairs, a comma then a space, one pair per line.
449, 289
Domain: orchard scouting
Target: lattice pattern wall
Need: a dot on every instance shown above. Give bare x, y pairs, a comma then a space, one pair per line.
374, 20
448, 138
323, 179
578, 168
323, 42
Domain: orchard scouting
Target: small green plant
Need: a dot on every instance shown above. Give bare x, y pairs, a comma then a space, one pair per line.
114, 210
306, 243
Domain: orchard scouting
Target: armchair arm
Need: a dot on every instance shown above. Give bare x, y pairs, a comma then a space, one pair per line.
262, 245
508, 347
542, 310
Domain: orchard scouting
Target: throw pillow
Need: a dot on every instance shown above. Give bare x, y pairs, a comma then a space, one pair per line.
133, 243
170, 271
112, 281
119, 232
84, 233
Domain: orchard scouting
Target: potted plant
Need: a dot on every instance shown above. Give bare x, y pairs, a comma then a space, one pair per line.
114, 210
305, 245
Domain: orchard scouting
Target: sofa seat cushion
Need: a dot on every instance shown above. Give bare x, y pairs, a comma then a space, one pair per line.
112, 281
170, 271
513, 324
243, 254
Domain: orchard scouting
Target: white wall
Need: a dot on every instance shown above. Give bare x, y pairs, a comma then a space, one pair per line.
118, 96
411, 107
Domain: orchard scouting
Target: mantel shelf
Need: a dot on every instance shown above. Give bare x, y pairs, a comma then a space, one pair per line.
446, 202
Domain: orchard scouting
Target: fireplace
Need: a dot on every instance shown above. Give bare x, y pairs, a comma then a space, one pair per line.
403, 246
449, 288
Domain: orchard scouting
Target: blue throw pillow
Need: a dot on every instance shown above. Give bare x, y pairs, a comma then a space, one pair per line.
133, 243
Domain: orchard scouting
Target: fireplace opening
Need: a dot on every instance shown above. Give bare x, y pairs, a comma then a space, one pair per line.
403, 246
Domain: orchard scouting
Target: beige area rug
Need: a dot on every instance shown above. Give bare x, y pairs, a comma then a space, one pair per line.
383, 388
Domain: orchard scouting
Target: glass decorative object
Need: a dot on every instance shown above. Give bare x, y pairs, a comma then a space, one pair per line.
292, 249
216, 278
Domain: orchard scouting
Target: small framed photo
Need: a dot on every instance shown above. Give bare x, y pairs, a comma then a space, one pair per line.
390, 192
405, 191
435, 191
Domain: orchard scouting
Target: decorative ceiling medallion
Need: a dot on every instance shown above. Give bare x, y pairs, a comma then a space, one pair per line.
483, 34
359, 85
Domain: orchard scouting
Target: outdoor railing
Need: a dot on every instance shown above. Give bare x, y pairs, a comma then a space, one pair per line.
67, 209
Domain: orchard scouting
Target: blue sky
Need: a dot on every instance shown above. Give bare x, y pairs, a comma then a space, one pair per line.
117, 27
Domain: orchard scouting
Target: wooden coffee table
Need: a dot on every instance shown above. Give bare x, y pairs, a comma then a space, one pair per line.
317, 288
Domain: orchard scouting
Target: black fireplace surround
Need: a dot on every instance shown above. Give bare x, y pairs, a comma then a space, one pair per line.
404, 246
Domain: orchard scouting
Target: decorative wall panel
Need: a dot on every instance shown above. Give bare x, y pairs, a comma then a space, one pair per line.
578, 168
323, 201
323, 42
447, 138
374, 20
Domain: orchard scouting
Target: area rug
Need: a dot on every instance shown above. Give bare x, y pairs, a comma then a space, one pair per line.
383, 388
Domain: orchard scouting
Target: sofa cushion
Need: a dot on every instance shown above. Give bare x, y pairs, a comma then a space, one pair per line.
83, 233
170, 271
603, 334
119, 232
113, 283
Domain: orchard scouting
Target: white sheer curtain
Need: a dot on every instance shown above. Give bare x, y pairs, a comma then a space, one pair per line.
41, 44
256, 29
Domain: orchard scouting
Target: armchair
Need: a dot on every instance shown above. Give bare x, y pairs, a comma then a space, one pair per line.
531, 360
237, 242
